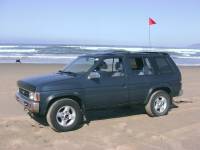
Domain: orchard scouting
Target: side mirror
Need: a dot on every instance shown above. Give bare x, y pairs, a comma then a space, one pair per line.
94, 75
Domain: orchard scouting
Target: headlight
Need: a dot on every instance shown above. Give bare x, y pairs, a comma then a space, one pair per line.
35, 96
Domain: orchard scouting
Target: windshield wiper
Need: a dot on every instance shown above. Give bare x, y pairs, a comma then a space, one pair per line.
67, 72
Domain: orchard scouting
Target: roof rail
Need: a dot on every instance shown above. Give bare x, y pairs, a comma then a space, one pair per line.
163, 53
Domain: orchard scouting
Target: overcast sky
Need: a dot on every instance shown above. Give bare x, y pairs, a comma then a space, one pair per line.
113, 22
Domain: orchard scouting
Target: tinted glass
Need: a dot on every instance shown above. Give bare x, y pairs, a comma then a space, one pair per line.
148, 69
163, 65
137, 65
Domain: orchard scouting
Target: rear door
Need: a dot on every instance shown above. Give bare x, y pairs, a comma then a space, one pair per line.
138, 79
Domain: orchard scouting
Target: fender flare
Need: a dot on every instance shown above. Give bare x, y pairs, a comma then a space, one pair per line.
165, 87
52, 98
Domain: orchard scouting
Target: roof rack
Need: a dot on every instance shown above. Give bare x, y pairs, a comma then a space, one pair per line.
125, 52
146, 52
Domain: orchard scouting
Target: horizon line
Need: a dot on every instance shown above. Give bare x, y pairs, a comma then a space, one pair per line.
100, 45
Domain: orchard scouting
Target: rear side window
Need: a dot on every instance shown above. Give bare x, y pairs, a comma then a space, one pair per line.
163, 65
141, 66
136, 63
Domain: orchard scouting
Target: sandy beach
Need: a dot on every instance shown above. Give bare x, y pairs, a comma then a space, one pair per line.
116, 129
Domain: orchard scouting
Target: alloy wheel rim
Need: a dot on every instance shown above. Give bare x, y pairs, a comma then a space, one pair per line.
160, 104
66, 116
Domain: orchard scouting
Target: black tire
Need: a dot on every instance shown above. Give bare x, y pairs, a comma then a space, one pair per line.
150, 106
55, 107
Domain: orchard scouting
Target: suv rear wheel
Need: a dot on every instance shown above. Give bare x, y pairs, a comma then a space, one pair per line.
158, 104
64, 115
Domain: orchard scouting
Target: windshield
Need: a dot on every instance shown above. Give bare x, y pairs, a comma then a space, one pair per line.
81, 65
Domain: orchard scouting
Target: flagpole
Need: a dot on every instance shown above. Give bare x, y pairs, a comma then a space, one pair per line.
149, 36
151, 22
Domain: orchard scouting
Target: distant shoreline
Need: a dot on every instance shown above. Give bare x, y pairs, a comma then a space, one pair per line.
99, 45
62, 64
63, 54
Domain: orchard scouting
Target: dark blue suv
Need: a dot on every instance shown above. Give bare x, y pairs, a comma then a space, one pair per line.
102, 80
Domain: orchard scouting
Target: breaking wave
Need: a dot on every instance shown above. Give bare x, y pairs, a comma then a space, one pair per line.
64, 53
18, 51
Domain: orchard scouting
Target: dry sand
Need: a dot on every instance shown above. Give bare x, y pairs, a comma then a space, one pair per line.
116, 129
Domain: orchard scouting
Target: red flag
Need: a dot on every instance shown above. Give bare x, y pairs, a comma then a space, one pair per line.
151, 21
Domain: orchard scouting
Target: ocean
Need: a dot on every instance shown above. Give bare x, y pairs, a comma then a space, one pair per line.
63, 54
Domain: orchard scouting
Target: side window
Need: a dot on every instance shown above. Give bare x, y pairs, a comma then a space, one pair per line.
148, 69
111, 67
163, 65
137, 65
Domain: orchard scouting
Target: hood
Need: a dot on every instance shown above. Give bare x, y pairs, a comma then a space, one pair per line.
50, 82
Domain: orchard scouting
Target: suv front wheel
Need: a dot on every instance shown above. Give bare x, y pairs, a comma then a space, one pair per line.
64, 115
158, 104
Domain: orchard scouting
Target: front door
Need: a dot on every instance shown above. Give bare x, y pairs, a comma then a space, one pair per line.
110, 89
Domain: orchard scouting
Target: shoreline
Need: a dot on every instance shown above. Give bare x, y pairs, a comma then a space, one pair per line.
180, 66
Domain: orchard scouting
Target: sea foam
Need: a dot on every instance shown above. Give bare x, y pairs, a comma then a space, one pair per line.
18, 51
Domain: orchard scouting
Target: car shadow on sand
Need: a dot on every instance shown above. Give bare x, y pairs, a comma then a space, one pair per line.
103, 114
118, 112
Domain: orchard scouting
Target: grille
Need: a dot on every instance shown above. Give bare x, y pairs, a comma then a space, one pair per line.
24, 92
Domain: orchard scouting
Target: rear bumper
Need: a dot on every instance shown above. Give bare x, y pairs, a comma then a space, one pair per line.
29, 105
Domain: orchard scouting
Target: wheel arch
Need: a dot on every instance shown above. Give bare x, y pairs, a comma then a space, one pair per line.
167, 89
54, 99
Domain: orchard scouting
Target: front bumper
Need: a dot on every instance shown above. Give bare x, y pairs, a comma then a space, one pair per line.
29, 105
